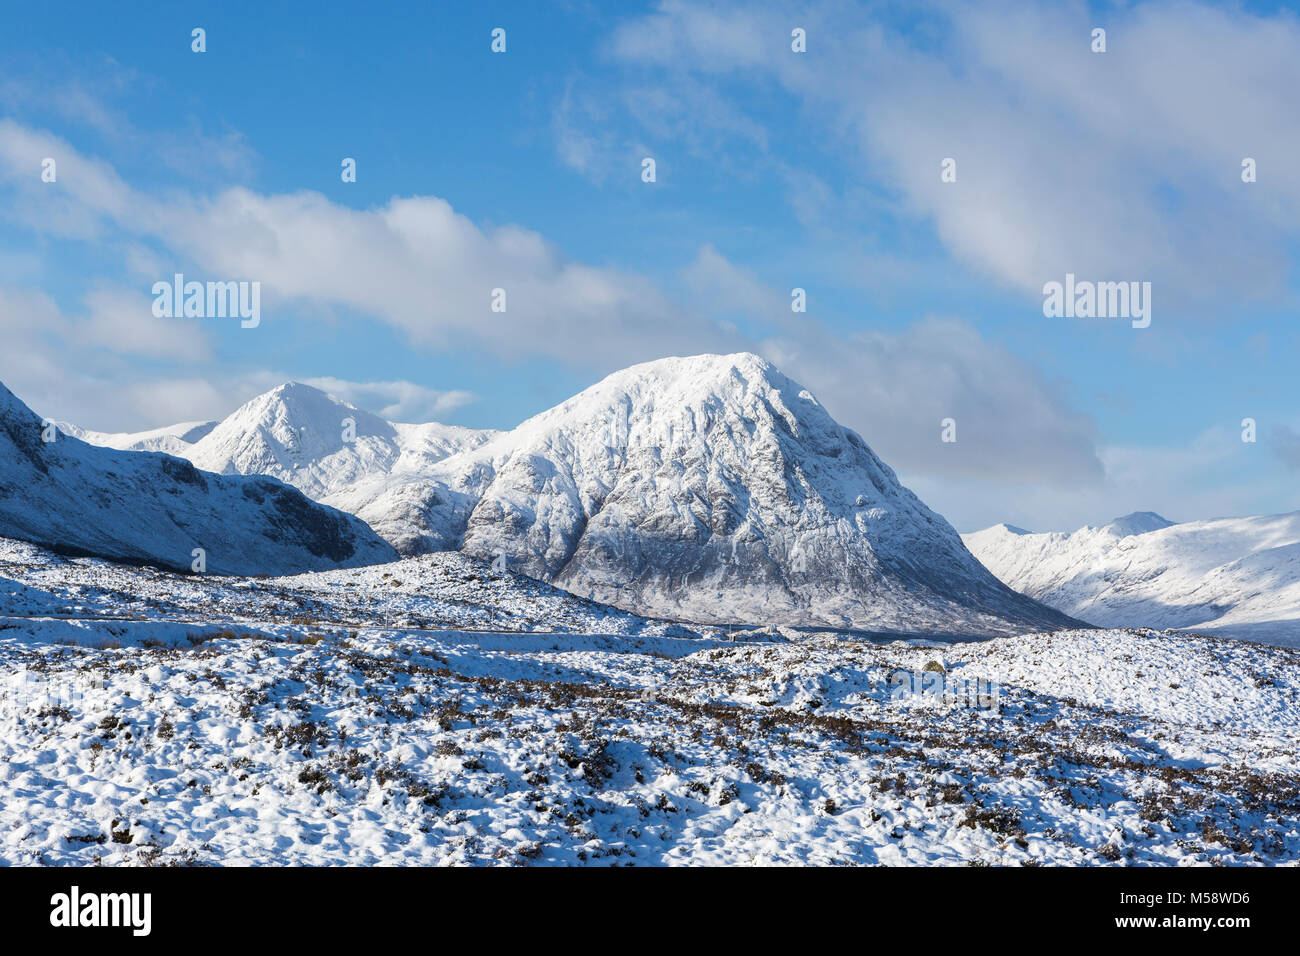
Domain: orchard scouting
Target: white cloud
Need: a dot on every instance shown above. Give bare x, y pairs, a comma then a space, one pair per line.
582, 142
72, 368
423, 268
898, 389
201, 398
1117, 165
122, 321
85, 367
717, 286
398, 401
1285, 442
714, 38
84, 194
415, 262
168, 400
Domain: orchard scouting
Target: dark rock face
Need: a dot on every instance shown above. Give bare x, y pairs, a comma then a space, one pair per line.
295, 518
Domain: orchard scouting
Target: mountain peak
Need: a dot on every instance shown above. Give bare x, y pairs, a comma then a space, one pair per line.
1137, 522
319, 443
293, 407
703, 388
710, 487
701, 370
290, 389
295, 392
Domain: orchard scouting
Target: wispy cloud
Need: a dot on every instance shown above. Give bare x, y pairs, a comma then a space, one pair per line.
1285, 442
1122, 164
396, 401
90, 93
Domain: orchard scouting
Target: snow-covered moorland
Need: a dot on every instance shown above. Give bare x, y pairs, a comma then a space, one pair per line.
430, 711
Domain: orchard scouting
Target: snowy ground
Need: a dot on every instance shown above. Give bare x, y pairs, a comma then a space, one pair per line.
444, 590
355, 718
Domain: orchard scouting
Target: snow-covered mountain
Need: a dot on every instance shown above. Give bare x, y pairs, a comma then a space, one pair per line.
321, 445
132, 506
172, 439
1237, 577
716, 489
710, 488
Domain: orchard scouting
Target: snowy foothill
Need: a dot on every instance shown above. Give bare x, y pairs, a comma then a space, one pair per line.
432, 711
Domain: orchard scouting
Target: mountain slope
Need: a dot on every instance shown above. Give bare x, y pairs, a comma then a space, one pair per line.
124, 715
1238, 577
140, 507
710, 488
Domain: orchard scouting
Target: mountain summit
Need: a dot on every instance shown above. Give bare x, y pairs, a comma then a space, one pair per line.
1139, 522
320, 444
717, 489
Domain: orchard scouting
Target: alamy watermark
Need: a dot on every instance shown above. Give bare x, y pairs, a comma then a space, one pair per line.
210, 300
24, 692
133, 911
1084, 299
940, 687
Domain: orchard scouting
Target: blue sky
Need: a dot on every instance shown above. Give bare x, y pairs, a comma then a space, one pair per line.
775, 170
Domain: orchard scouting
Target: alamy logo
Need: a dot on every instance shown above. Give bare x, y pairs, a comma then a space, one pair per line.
938, 686
211, 300
24, 690
1100, 300
73, 909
